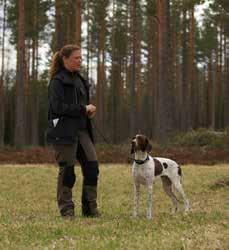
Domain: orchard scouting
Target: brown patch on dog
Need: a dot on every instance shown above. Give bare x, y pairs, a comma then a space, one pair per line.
158, 167
179, 171
143, 143
167, 185
165, 165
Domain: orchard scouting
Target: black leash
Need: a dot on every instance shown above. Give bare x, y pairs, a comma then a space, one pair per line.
103, 137
100, 133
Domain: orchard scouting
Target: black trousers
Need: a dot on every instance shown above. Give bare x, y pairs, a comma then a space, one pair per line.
84, 151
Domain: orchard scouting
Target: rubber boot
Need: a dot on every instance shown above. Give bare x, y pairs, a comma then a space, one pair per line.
66, 180
89, 201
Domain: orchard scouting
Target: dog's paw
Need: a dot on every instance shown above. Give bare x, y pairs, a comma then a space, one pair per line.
186, 210
135, 215
149, 217
174, 210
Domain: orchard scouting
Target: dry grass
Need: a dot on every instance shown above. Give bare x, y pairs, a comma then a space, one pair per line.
29, 217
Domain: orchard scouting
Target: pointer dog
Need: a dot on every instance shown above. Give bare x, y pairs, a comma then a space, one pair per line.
146, 168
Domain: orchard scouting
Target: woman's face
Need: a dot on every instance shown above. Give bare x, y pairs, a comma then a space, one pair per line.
73, 62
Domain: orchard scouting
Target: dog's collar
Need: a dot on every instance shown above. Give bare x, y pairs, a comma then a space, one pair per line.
140, 162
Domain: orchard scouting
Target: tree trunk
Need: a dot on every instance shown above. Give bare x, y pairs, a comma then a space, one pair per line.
138, 67
226, 86
219, 82
67, 19
28, 57
176, 43
114, 80
33, 87
100, 87
20, 118
59, 37
209, 94
192, 107
133, 70
78, 22
165, 94
150, 94
2, 95
88, 38
184, 86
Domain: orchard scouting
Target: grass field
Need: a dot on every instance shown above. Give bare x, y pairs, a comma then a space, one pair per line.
29, 217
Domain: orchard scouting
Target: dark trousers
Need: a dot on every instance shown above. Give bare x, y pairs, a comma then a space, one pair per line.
84, 151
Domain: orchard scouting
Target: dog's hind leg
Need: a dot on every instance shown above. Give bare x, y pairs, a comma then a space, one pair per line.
150, 191
167, 185
136, 198
180, 190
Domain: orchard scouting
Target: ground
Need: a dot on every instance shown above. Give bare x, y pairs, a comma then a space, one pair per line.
29, 218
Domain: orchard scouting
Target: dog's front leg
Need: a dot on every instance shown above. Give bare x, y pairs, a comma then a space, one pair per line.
149, 201
136, 198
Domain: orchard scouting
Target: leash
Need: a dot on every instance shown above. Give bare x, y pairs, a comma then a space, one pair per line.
139, 162
100, 133
105, 140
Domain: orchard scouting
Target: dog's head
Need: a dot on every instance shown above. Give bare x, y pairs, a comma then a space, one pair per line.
140, 143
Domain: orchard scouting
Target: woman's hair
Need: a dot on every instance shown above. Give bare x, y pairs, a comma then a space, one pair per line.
57, 59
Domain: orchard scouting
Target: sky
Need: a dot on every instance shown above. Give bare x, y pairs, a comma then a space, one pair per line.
199, 10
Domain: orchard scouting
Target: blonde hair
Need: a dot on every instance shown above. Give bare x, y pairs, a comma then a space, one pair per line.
57, 59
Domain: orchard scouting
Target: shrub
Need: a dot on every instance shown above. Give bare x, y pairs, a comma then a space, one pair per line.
203, 138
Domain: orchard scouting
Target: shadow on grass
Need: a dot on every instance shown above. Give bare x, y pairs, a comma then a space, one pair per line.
221, 183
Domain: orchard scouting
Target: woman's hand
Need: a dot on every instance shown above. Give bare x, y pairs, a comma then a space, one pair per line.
90, 110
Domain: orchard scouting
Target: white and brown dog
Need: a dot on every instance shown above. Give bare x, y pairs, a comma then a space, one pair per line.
147, 168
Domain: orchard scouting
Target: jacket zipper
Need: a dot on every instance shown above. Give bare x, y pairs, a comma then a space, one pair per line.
76, 99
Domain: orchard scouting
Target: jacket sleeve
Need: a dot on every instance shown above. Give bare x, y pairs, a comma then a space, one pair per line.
58, 106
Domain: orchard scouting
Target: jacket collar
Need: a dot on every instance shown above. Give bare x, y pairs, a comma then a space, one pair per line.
67, 77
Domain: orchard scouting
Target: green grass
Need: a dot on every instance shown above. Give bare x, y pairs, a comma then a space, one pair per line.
29, 218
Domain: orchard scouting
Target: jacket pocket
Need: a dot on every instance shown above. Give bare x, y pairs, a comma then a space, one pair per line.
63, 131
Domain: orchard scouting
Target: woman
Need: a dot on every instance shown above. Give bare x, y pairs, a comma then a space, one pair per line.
70, 131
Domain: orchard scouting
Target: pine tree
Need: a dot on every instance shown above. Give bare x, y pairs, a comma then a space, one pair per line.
2, 94
165, 118
20, 118
78, 21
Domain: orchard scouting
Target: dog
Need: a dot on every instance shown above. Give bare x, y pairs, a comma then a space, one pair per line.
146, 169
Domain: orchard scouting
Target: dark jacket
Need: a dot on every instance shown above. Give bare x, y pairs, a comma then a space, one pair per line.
65, 108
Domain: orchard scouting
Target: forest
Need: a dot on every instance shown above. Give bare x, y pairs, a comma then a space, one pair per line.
155, 67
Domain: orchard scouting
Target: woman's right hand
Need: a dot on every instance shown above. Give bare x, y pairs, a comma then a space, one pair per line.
90, 110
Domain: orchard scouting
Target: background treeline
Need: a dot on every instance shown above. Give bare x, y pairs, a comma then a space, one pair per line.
153, 68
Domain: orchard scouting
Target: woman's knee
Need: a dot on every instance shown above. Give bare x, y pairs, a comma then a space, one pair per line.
68, 174
91, 173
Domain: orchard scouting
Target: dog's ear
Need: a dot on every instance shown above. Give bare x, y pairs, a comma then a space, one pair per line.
148, 146
132, 148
